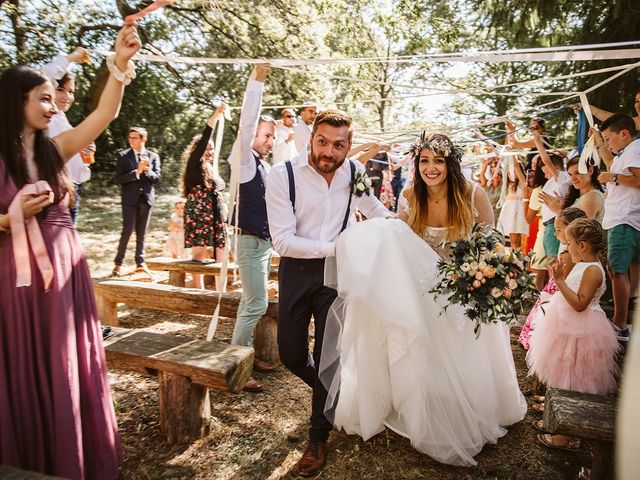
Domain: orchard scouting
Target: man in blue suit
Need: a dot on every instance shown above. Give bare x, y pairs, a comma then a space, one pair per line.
137, 172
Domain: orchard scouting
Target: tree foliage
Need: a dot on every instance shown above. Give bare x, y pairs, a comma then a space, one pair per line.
172, 99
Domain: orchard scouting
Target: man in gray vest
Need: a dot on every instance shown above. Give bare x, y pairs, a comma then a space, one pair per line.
255, 139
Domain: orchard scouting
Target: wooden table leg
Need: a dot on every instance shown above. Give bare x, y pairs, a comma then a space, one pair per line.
177, 279
185, 411
107, 310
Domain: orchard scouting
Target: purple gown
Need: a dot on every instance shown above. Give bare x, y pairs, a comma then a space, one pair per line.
56, 412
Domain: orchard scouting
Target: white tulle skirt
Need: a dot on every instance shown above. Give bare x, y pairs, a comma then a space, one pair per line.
392, 357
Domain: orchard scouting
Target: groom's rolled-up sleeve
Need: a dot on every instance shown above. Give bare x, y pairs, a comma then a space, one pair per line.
282, 221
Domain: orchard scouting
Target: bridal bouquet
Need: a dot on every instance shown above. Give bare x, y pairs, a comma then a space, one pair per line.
485, 277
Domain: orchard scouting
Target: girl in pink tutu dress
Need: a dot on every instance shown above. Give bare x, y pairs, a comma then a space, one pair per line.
574, 347
562, 221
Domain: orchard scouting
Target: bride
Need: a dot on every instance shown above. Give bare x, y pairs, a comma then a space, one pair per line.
391, 355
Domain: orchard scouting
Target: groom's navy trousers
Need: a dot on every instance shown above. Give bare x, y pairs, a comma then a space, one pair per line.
302, 294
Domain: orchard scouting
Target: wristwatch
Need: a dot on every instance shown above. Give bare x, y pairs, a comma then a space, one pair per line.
614, 179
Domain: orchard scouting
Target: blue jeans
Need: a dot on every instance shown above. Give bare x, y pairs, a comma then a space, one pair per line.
254, 261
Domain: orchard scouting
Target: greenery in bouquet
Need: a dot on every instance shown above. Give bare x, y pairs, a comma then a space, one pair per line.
489, 280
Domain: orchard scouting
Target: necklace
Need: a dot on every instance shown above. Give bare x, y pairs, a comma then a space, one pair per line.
436, 201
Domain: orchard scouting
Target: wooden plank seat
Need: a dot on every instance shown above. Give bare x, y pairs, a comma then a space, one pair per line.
178, 268
186, 370
110, 292
586, 416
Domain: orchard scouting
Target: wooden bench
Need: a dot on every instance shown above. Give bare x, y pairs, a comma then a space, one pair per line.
110, 292
178, 269
586, 416
186, 370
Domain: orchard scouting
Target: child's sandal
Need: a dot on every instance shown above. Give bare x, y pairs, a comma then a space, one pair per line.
538, 398
539, 425
538, 407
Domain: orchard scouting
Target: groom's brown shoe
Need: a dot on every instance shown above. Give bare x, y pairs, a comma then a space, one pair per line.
313, 459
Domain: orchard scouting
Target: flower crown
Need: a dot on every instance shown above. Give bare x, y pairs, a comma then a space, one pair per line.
440, 144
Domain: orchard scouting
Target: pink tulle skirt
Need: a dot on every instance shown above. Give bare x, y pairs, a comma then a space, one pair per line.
574, 350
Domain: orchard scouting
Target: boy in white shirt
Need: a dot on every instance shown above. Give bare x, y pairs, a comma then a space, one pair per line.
621, 212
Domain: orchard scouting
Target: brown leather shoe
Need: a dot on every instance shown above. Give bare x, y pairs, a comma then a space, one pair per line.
117, 271
253, 386
313, 459
263, 367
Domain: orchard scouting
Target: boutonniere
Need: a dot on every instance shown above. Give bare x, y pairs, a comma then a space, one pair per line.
361, 184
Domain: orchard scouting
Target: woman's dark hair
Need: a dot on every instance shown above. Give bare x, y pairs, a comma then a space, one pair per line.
538, 175
62, 81
574, 193
15, 85
196, 172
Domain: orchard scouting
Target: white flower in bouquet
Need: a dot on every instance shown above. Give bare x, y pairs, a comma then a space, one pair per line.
513, 284
482, 265
473, 268
367, 182
360, 187
465, 267
496, 292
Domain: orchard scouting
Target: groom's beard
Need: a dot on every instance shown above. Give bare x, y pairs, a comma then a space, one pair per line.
326, 164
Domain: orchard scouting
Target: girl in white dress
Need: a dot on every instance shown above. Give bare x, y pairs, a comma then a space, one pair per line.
391, 355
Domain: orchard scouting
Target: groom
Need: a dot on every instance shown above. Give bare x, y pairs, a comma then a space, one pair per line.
309, 203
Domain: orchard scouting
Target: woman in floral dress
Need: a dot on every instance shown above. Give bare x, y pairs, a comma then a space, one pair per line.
203, 215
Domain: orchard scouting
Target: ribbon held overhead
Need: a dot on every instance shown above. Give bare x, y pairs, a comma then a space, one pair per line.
131, 19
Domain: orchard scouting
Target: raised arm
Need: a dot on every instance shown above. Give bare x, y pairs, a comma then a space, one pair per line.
369, 154
74, 140
249, 118
360, 148
603, 151
59, 66
512, 139
544, 156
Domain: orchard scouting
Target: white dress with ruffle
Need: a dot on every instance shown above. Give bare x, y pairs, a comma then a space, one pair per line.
393, 357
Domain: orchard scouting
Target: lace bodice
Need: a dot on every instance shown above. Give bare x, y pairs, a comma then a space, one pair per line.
434, 236
575, 278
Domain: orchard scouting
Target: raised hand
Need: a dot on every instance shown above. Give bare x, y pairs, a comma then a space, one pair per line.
79, 55
127, 44
261, 72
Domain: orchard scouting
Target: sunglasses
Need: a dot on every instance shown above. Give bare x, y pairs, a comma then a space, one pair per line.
289, 116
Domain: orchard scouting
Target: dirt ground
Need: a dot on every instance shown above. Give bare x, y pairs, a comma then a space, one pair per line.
261, 436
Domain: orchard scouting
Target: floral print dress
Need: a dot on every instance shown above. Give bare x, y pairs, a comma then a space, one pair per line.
203, 222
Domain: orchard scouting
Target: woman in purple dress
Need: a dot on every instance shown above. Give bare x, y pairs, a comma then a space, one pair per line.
56, 412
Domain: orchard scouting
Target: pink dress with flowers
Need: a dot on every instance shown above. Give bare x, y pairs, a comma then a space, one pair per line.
575, 350
203, 222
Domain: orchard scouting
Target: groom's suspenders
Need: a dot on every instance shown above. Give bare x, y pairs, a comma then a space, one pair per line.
292, 190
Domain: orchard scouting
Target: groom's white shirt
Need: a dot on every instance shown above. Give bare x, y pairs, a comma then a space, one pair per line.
311, 231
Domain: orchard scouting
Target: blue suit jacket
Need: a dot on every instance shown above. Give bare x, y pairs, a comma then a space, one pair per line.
132, 186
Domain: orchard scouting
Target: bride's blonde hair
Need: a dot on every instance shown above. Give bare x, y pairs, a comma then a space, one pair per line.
459, 211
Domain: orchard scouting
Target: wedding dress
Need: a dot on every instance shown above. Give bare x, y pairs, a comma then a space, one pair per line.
393, 357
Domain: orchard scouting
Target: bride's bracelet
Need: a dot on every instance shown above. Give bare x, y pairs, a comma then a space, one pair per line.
123, 77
